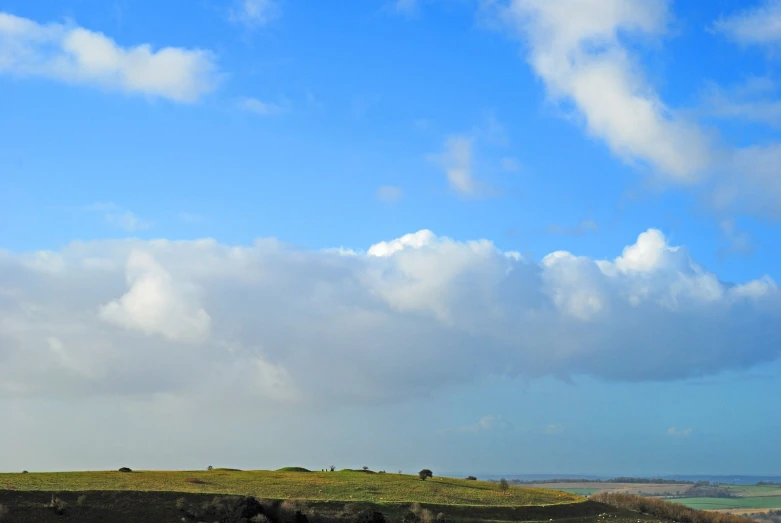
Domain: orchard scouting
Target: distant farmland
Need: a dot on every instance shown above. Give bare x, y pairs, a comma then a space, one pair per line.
753, 502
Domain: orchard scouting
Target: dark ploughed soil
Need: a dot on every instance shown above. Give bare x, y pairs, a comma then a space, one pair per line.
161, 507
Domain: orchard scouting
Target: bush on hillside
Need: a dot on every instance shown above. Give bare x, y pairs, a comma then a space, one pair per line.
664, 509
503, 485
125, 469
425, 473
471, 478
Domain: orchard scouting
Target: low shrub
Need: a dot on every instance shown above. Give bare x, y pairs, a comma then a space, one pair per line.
471, 478
425, 473
125, 469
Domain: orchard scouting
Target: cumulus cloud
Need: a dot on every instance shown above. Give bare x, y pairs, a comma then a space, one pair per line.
77, 55
154, 304
274, 324
758, 25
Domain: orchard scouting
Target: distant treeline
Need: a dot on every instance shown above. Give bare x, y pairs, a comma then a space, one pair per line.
665, 510
619, 479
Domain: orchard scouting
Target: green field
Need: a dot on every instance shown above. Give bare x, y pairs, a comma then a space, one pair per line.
325, 486
730, 503
580, 491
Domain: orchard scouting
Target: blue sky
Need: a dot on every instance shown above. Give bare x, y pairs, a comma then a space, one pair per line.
480, 236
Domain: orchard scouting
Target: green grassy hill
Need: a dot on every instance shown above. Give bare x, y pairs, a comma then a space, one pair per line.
322, 486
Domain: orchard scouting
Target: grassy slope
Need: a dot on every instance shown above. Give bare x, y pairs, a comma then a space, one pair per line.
333, 486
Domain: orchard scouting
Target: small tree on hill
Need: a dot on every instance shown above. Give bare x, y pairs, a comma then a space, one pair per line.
425, 473
503, 485
365, 468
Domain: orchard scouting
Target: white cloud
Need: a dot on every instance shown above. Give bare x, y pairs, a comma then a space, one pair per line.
749, 181
754, 101
737, 241
679, 433
553, 429
759, 25
401, 320
581, 50
254, 13
405, 6
486, 423
256, 106
127, 221
154, 305
79, 56
457, 160
574, 46
390, 193
118, 217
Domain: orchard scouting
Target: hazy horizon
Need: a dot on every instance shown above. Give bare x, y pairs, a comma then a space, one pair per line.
468, 235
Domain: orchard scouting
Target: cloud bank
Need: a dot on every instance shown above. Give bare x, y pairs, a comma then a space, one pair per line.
276, 325
79, 56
